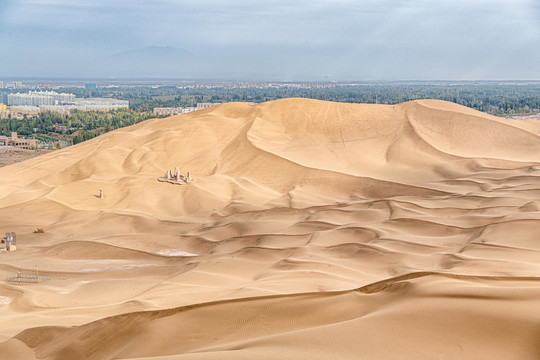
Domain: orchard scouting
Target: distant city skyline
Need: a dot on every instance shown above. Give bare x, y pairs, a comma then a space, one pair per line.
272, 40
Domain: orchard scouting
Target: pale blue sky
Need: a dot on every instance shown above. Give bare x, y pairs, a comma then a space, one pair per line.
279, 39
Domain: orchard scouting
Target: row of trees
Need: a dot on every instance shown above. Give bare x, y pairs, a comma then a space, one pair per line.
494, 98
76, 126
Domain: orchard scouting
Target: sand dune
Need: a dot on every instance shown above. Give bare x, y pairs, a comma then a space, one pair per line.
311, 230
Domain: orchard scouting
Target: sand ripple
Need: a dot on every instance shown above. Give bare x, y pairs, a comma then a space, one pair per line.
312, 230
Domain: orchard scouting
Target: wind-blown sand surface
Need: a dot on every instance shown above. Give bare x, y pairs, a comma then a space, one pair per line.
312, 230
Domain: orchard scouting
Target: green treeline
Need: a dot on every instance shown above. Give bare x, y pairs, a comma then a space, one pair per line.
493, 98
77, 126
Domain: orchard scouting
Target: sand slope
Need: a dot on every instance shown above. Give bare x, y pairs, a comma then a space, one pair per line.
311, 230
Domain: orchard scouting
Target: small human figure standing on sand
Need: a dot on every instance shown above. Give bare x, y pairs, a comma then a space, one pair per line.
101, 193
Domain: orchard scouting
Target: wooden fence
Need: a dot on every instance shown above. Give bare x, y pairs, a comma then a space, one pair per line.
27, 278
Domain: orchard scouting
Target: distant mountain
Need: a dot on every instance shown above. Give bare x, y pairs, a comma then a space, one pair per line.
154, 52
150, 61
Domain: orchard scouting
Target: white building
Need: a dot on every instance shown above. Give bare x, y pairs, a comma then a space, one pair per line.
101, 104
40, 98
171, 111
94, 104
52, 101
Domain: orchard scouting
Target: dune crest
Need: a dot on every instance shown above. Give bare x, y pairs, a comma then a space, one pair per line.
307, 225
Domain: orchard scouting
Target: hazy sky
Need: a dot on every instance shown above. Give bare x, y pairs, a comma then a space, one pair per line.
278, 39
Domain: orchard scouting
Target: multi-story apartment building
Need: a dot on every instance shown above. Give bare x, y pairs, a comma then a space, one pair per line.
14, 85
206, 105
171, 111
40, 98
4, 112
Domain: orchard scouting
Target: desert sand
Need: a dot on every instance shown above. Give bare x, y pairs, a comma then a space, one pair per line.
311, 230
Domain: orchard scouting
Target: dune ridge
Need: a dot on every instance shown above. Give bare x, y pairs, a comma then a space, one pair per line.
335, 307
309, 225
